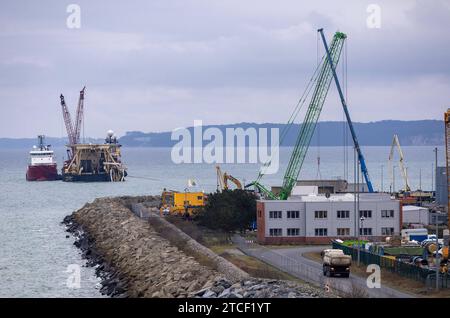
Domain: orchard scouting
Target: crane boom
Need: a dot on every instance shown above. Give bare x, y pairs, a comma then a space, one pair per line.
67, 121
361, 159
222, 180
321, 88
396, 142
79, 116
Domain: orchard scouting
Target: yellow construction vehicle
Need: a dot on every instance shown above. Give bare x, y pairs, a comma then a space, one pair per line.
181, 203
222, 180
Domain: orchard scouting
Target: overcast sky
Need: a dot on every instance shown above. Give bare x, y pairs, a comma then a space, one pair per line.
157, 65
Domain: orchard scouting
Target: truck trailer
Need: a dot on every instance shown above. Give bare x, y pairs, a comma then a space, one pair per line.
335, 262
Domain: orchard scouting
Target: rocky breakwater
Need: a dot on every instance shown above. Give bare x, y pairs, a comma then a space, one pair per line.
134, 261
259, 288
131, 258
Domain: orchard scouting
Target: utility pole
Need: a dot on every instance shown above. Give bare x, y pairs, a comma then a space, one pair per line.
420, 186
393, 179
382, 185
354, 193
438, 263
432, 177
420, 179
357, 208
435, 161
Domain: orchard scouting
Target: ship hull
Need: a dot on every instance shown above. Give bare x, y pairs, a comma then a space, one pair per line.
42, 173
102, 177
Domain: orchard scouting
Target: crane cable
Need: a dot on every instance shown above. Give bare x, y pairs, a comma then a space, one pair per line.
318, 175
294, 114
346, 98
344, 123
145, 178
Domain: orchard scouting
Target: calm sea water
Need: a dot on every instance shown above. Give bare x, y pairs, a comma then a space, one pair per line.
34, 250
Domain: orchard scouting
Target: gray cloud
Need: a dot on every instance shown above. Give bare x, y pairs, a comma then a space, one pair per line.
157, 65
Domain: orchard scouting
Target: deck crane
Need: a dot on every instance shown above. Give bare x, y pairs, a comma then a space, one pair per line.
80, 113
361, 159
321, 80
73, 134
396, 142
67, 121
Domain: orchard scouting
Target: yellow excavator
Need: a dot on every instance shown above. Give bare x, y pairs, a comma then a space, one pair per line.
223, 178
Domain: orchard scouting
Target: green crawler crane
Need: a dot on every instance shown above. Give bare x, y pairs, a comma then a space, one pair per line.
321, 81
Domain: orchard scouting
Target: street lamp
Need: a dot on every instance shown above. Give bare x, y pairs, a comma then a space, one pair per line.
437, 258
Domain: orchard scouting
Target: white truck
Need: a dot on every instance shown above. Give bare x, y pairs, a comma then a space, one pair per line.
335, 262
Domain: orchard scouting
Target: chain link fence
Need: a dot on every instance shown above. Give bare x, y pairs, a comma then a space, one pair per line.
425, 275
346, 287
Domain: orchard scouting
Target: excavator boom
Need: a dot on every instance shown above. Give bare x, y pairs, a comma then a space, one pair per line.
236, 182
222, 180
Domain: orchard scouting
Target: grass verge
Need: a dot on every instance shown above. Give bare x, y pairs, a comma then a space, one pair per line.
392, 280
220, 243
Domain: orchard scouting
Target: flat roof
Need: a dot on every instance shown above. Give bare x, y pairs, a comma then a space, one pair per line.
413, 208
337, 197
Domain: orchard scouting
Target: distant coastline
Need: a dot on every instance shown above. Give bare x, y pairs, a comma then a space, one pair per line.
411, 133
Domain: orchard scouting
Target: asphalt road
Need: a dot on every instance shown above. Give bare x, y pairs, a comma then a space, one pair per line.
292, 261
345, 284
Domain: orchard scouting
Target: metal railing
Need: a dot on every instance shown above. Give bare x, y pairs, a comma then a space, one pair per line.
303, 271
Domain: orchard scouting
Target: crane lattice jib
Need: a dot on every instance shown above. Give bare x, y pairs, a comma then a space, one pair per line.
79, 116
67, 121
312, 116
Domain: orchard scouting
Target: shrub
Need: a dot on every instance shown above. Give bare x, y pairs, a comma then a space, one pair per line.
229, 210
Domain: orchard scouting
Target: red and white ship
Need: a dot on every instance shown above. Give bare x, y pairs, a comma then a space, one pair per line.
42, 166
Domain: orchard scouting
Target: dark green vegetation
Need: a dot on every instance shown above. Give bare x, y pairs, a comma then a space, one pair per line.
229, 210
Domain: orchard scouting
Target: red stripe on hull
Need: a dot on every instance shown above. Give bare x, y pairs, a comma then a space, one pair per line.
42, 173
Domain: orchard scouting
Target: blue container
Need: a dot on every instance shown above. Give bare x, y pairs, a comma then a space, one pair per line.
418, 238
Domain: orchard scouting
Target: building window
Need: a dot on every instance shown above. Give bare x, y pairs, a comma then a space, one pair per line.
259, 213
293, 232
293, 214
345, 214
387, 213
343, 231
321, 232
320, 214
365, 231
275, 232
365, 213
275, 215
387, 231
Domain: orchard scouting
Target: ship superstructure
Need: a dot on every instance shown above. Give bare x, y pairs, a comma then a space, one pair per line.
42, 164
